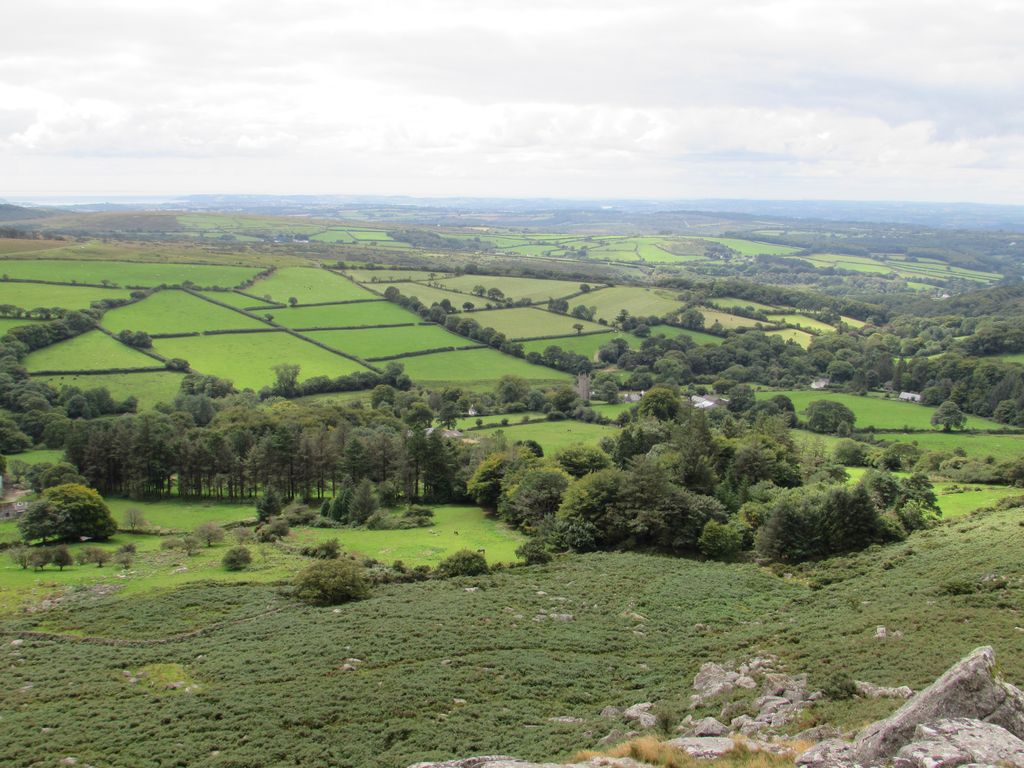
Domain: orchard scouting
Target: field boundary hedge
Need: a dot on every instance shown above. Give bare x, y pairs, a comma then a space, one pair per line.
333, 303
358, 327
100, 371
189, 334
570, 335
434, 351
148, 352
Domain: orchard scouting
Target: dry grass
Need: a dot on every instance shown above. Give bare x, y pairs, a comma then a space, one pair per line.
648, 749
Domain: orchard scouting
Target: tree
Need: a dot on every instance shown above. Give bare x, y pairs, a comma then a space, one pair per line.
363, 503
720, 540
133, 519
829, 417
237, 559
465, 562
578, 327
533, 552
659, 403
20, 555
209, 534
579, 460
96, 555
268, 505
331, 582
286, 379
949, 416
68, 512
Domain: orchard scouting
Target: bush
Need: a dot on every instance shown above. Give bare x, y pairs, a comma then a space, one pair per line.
274, 530
61, 556
209, 534
465, 562
533, 552
839, 687
94, 555
237, 559
720, 540
331, 582
243, 535
325, 550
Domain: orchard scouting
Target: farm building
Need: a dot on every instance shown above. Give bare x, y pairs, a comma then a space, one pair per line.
821, 383
704, 402
910, 397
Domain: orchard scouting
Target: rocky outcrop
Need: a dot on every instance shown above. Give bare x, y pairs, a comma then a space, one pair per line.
947, 724
500, 761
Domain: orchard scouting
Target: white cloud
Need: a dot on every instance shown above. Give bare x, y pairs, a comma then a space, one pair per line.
758, 98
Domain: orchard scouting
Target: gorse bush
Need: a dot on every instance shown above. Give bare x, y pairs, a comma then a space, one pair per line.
237, 559
465, 562
331, 582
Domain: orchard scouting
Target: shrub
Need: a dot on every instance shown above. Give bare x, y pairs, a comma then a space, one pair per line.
325, 550
274, 530
209, 534
237, 559
172, 542
839, 686
20, 556
331, 582
533, 552
61, 556
465, 562
243, 535
94, 555
720, 540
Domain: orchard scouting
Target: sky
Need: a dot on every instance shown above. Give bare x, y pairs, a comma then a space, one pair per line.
772, 99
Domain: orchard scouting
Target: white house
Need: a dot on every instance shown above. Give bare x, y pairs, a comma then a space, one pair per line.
910, 397
821, 383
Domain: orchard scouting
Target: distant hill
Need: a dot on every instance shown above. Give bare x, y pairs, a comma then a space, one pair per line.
10, 212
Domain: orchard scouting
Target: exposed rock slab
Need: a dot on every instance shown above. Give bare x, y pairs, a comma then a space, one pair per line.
959, 742
502, 761
706, 747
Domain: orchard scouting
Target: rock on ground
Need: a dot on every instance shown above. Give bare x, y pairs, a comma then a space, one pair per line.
961, 742
501, 761
703, 747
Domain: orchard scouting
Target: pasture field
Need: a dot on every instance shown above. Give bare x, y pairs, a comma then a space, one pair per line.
33, 295
877, 412
803, 338
10, 246
148, 387
730, 302
495, 419
901, 267
1015, 358
38, 457
852, 321
752, 247
803, 321
248, 359
552, 436
360, 315
454, 528
372, 276
6, 323
529, 322
956, 499
639, 302
385, 342
127, 274
236, 300
976, 446
474, 369
672, 332
90, 351
180, 515
263, 653
172, 311
309, 285
430, 295
726, 320
534, 289
582, 345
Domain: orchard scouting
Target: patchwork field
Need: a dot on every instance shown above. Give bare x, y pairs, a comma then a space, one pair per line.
803, 321
430, 295
384, 342
248, 359
803, 338
149, 387
359, 315
586, 345
752, 247
173, 311
126, 274
672, 332
530, 288
237, 300
33, 295
527, 322
474, 369
724, 319
391, 275
729, 302
309, 286
639, 302
877, 412
91, 351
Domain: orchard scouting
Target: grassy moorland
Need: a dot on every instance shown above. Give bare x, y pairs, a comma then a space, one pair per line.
92, 351
424, 649
148, 387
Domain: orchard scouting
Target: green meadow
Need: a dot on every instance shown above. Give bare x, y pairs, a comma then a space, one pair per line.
7, 323
752, 247
726, 320
551, 435
384, 342
639, 302
309, 286
34, 295
91, 351
38, 457
248, 359
672, 332
586, 345
127, 274
173, 311
372, 276
148, 387
529, 322
877, 412
474, 369
730, 302
237, 300
361, 314
180, 515
803, 338
534, 289
803, 321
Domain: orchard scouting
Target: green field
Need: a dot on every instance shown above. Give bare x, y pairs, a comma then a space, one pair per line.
372, 276
91, 351
248, 359
552, 436
752, 247
978, 446
385, 342
803, 338
639, 302
729, 302
237, 300
309, 286
176, 312
803, 321
35, 295
924, 268
178, 515
528, 322
126, 274
430, 295
534, 289
956, 499
586, 345
480, 367
6, 323
362, 314
726, 320
877, 412
672, 332
38, 457
148, 387
455, 528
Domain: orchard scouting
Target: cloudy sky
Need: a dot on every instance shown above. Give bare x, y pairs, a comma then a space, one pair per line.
840, 99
